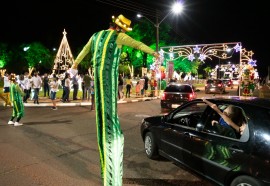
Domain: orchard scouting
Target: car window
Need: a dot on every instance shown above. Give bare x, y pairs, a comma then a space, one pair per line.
222, 130
181, 88
189, 115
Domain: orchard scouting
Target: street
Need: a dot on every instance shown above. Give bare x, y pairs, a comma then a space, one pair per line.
60, 148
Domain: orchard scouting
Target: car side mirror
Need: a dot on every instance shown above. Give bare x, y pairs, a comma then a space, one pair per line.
199, 127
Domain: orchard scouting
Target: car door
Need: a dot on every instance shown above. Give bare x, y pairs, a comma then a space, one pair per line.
214, 155
175, 137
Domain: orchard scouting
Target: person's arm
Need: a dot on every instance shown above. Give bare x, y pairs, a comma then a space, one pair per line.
124, 39
82, 54
224, 116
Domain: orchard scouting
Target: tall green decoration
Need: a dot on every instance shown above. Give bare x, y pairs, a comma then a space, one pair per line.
105, 49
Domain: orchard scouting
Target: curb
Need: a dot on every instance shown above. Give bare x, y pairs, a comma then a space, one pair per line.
60, 104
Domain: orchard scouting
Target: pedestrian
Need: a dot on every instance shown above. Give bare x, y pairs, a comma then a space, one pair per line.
37, 82
46, 86
54, 89
92, 90
27, 87
16, 94
128, 86
138, 89
105, 48
67, 88
146, 81
120, 87
87, 87
7, 89
75, 86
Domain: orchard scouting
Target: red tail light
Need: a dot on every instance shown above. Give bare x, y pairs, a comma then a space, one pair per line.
163, 96
191, 96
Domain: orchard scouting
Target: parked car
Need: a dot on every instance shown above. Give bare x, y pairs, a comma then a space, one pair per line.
176, 94
228, 83
186, 136
235, 81
214, 86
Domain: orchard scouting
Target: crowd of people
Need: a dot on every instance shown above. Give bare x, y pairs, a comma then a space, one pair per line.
23, 88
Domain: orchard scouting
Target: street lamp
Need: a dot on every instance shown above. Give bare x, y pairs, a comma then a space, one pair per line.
176, 9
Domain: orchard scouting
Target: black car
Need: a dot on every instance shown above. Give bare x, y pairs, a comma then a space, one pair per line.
227, 83
176, 94
214, 86
186, 136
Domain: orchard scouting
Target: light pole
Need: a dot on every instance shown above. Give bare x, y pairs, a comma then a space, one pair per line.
176, 9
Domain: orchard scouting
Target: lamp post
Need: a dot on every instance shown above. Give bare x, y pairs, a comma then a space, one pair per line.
176, 9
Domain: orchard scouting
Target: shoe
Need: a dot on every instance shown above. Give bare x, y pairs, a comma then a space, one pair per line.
10, 122
55, 108
17, 124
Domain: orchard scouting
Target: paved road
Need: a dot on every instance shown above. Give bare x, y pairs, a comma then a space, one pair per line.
59, 148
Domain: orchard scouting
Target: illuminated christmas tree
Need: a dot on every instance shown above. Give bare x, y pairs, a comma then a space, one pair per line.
64, 58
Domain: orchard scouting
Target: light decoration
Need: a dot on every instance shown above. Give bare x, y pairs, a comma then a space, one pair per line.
64, 58
203, 52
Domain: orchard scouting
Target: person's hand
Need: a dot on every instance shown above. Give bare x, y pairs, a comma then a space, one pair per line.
156, 55
242, 128
73, 72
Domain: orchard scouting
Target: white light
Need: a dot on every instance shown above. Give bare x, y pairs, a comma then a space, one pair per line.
25, 48
139, 15
177, 7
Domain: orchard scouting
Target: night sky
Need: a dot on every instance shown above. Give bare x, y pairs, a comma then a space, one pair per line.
202, 22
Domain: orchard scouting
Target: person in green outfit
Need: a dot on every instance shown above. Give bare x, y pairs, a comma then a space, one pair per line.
105, 49
16, 94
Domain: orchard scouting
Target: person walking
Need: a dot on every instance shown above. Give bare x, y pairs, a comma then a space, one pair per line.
46, 86
105, 48
92, 90
54, 88
7, 89
146, 81
37, 82
120, 87
27, 87
128, 86
16, 94
75, 86
87, 86
67, 88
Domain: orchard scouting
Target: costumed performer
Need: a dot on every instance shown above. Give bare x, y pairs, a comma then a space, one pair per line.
16, 94
105, 49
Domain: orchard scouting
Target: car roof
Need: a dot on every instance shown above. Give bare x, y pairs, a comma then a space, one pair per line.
256, 101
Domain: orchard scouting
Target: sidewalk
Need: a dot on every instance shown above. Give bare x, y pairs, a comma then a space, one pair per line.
46, 102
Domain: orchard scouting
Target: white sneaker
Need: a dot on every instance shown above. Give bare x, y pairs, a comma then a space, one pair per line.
10, 122
17, 124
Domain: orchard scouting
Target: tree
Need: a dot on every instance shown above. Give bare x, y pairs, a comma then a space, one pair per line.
37, 56
207, 71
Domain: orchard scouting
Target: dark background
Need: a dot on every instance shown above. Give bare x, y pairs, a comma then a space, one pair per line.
202, 22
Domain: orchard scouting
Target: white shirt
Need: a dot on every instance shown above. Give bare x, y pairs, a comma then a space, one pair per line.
54, 86
37, 81
6, 82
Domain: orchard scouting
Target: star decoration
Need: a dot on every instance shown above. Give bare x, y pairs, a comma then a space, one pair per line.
237, 47
196, 49
252, 62
250, 53
202, 57
191, 57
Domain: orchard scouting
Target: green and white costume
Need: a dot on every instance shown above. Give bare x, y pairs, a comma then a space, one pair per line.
105, 49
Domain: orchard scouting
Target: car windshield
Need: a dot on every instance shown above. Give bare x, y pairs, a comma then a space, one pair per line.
178, 88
